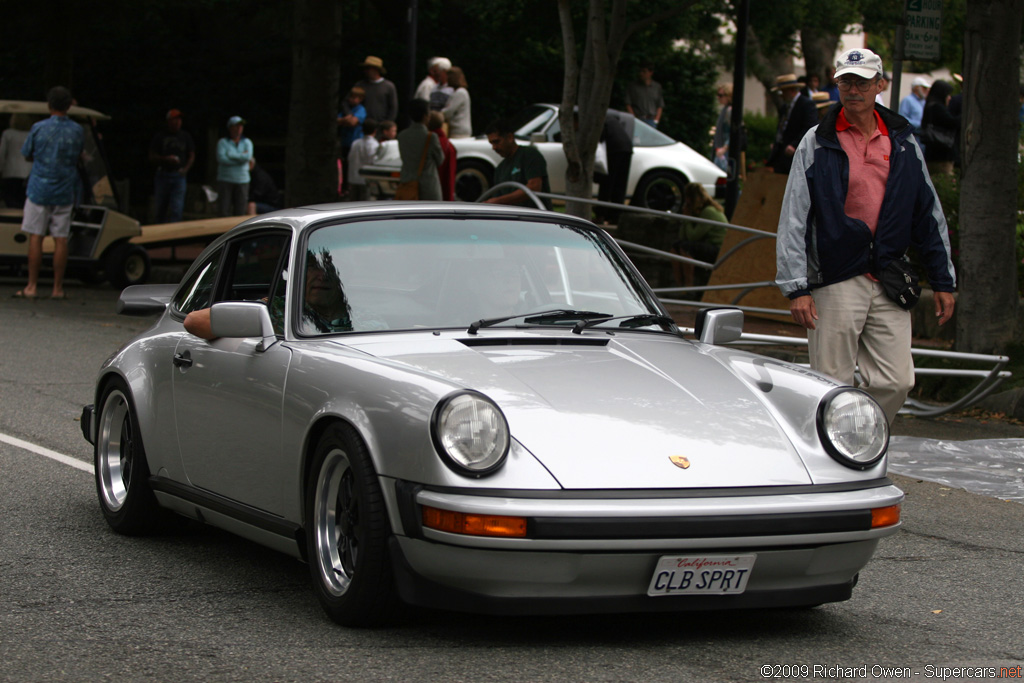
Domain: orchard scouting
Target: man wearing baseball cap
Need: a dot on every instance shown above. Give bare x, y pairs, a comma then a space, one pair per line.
858, 196
912, 106
173, 153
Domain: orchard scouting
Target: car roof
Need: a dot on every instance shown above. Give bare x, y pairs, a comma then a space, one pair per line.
43, 109
303, 217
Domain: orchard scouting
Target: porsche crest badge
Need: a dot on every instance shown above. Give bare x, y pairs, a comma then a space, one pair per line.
680, 461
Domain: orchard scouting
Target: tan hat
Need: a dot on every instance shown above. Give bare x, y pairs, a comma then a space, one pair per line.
375, 62
821, 99
787, 81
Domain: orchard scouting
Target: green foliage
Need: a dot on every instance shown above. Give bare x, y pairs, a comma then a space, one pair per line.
760, 136
688, 79
947, 187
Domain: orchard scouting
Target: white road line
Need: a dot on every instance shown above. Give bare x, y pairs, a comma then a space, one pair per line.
46, 452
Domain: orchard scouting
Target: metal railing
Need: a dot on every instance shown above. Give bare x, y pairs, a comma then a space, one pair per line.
988, 379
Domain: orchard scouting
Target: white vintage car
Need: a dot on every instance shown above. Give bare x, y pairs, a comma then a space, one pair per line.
659, 169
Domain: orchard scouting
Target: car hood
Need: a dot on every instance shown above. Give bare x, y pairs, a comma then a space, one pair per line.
613, 413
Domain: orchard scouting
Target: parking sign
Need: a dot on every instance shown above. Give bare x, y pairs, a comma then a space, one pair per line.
923, 29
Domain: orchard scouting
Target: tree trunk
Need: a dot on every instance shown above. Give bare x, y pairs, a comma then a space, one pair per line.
987, 310
819, 48
311, 156
587, 88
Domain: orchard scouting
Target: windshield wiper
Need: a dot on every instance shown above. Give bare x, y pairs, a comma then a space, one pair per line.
539, 317
628, 321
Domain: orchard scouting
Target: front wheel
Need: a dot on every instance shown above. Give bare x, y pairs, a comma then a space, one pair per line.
347, 532
661, 191
121, 471
472, 179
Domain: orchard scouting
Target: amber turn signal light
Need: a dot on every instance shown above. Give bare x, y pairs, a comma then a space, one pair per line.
886, 516
474, 525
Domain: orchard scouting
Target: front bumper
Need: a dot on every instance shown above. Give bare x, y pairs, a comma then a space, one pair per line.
498, 582
598, 554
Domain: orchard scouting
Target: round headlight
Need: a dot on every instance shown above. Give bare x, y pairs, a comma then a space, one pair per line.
471, 434
853, 428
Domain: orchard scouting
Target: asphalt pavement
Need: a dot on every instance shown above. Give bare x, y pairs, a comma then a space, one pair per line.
81, 603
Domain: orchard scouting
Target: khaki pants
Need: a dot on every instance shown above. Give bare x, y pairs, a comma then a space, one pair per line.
859, 325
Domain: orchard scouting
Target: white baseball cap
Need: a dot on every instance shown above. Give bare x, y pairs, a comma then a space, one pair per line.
859, 62
442, 62
921, 81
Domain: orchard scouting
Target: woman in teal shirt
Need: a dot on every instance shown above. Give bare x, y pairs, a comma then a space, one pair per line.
233, 156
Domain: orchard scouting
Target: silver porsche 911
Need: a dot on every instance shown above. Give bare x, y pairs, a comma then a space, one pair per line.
482, 408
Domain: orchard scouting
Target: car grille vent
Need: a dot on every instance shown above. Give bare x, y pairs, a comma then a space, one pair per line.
534, 341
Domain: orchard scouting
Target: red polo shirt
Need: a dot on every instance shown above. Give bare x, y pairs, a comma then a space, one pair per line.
869, 168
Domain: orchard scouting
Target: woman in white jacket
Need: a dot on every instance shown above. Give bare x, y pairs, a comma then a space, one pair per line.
457, 110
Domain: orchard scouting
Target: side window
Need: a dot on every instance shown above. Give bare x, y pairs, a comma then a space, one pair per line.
197, 292
256, 273
255, 264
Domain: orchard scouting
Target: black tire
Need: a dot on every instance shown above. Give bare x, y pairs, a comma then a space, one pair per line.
660, 190
472, 179
121, 470
347, 532
126, 264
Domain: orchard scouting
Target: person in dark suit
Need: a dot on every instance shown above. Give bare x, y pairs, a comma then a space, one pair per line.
618, 139
797, 115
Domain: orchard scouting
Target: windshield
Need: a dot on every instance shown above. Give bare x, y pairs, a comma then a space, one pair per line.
531, 120
648, 136
419, 273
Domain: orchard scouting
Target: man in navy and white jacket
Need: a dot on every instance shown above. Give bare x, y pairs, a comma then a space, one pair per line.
858, 196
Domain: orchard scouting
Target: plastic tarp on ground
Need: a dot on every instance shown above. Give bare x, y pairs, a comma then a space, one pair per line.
992, 467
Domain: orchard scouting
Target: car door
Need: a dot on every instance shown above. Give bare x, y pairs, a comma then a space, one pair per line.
228, 392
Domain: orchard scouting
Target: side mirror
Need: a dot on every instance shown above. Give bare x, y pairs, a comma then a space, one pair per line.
145, 299
538, 137
234, 319
718, 325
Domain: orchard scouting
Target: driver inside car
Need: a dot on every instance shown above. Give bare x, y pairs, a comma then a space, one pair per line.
325, 307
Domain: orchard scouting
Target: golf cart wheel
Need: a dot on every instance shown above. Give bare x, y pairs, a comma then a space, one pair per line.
127, 264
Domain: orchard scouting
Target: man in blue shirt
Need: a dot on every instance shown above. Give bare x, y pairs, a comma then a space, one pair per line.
54, 146
912, 106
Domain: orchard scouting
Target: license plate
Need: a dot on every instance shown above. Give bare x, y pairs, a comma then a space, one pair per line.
701, 575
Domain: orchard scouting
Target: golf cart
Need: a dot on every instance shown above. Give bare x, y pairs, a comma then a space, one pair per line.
98, 246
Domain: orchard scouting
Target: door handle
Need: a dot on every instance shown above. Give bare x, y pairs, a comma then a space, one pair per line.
182, 360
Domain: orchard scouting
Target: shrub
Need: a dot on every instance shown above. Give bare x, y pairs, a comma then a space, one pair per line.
760, 136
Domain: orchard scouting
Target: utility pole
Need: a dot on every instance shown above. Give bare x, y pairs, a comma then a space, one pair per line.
739, 76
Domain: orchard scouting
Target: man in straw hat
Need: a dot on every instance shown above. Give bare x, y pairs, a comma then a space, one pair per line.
858, 196
380, 97
796, 116
821, 103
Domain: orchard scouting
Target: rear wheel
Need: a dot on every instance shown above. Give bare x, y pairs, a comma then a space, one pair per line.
660, 190
122, 474
126, 264
472, 179
347, 532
